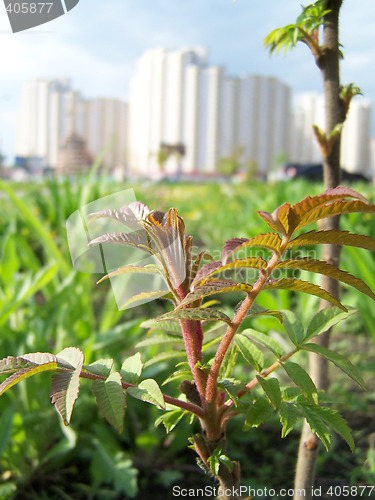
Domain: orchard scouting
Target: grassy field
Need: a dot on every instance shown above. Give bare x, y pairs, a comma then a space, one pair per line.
45, 305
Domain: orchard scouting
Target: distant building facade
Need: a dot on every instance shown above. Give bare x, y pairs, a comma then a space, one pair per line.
51, 114
355, 139
177, 98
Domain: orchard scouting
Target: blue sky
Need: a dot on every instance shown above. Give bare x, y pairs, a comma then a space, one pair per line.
97, 43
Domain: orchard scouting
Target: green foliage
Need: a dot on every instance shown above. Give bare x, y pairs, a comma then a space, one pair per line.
109, 342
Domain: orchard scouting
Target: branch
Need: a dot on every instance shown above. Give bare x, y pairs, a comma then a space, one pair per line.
185, 405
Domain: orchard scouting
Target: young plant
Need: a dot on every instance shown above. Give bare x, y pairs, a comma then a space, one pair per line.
209, 391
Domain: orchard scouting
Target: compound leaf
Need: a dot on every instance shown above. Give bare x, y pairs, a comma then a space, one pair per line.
213, 287
196, 313
265, 341
251, 353
333, 237
272, 241
111, 400
325, 319
149, 391
302, 380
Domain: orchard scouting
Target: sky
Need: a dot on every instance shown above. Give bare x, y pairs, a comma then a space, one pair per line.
97, 44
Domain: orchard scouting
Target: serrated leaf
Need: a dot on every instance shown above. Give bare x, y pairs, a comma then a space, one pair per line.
271, 221
12, 363
160, 339
293, 327
251, 353
265, 341
170, 419
335, 421
303, 208
136, 239
65, 385
272, 241
131, 369
341, 362
145, 296
231, 387
129, 270
26, 373
111, 400
169, 326
290, 393
149, 391
317, 425
325, 319
302, 380
195, 313
125, 216
218, 267
304, 287
177, 375
229, 361
335, 208
101, 367
288, 417
258, 413
322, 267
333, 237
271, 387
257, 310
213, 287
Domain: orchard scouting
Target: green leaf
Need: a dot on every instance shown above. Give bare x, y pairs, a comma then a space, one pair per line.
265, 341
341, 362
131, 369
325, 319
65, 385
110, 397
334, 421
251, 353
149, 391
257, 310
146, 297
303, 286
302, 380
12, 364
293, 327
9, 261
101, 367
258, 413
288, 417
213, 287
26, 373
290, 393
317, 425
231, 387
170, 419
229, 361
155, 324
195, 313
271, 387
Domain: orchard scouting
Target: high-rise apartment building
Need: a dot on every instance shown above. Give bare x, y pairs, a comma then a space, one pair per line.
355, 140
177, 98
51, 112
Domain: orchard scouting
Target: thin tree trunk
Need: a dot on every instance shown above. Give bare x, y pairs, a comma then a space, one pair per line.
334, 114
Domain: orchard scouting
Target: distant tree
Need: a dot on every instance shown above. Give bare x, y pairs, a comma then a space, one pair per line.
318, 27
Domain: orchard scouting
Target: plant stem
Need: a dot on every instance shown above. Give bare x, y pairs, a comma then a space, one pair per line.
185, 405
211, 388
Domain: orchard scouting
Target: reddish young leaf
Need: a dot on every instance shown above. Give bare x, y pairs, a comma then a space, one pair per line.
271, 241
333, 237
212, 287
322, 267
305, 287
136, 239
217, 267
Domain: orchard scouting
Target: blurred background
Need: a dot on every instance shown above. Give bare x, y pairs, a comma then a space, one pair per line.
181, 103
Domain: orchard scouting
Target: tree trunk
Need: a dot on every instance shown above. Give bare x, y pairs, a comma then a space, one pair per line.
334, 114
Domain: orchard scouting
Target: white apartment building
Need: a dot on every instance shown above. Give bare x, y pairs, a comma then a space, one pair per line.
176, 97
355, 141
51, 112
